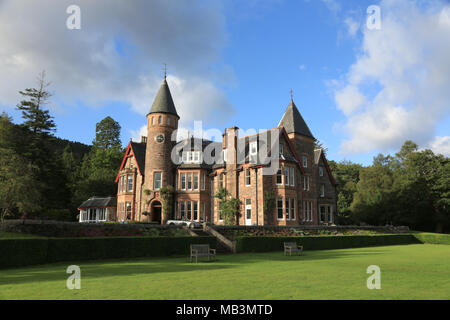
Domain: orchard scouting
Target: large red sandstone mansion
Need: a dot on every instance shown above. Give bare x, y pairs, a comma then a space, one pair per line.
304, 188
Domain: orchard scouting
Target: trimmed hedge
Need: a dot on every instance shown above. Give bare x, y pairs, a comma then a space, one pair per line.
22, 252
266, 244
434, 238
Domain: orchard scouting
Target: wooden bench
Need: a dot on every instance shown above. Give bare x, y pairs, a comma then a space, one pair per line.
202, 250
290, 247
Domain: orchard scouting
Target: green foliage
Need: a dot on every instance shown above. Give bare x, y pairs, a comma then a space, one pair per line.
266, 244
107, 134
346, 175
21, 252
167, 193
411, 188
36, 118
19, 186
433, 238
269, 201
229, 206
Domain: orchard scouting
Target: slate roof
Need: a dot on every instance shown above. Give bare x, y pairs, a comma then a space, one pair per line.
99, 202
163, 102
139, 154
293, 121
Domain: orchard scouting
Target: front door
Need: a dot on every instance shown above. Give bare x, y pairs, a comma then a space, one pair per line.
156, 211
248, 212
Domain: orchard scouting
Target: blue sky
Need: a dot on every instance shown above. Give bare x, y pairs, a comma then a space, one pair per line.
234, 63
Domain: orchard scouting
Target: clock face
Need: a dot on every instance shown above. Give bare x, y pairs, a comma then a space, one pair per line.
159, 138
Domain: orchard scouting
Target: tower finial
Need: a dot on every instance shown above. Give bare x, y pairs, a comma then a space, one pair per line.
165, 71
292, 95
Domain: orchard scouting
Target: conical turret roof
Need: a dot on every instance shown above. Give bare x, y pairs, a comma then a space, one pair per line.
293, 121
163, 102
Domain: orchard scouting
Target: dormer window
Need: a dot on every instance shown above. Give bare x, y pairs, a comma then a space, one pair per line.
253, 148
192, 157
321, 171
281, 149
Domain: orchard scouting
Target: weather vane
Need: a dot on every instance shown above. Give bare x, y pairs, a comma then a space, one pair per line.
165, 70
292, 94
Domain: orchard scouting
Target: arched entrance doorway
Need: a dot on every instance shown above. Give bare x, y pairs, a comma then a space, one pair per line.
156, 211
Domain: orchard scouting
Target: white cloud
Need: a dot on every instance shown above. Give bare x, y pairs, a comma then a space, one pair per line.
118, 53
349, 99
441, 145
352, 26
398, 88
333, 5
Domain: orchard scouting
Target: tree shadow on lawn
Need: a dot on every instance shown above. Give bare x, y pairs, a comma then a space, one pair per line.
141, 266
107, 268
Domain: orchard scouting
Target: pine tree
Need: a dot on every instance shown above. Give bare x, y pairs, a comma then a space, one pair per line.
37, 119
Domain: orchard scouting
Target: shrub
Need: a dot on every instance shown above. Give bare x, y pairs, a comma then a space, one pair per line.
265, 244
434, 238
22, 252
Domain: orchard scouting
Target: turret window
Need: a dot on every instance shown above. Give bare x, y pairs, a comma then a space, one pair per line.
153, 121
168, 121
157, 181
160, 120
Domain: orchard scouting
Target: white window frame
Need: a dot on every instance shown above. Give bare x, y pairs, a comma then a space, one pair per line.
129, 178
247, 176
248, 207
195, 211
278, 209
203, 181
189, 181
154, 180
253, 148
195, 181
182, 210
183, 181
189, 210
279, 174
292, 176
293, 201
287, 203
286, 176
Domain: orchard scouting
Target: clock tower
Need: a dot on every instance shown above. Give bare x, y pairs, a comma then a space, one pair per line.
162, 121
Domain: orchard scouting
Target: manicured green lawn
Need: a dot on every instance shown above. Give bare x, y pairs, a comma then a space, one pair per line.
407, 272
